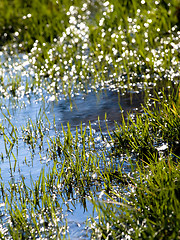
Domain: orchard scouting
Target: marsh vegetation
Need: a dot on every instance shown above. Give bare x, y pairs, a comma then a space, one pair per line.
90, 119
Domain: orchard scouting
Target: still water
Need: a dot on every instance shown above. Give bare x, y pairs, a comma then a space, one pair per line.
80, 110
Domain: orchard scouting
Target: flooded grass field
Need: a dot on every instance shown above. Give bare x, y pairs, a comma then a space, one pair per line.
89, 119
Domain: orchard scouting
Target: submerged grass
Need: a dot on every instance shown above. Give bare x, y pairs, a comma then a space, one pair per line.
131, 176
143, 203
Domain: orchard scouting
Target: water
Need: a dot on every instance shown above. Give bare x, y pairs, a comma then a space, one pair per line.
24, 107
81, 109
89, 107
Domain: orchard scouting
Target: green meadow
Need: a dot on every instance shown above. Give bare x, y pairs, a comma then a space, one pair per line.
66, 173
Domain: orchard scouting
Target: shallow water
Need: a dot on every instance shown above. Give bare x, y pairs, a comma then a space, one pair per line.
81, 109
95, 106
84, 110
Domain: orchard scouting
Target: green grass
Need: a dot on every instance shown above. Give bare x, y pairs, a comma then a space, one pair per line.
93, 47
131, 175
148, 208
159, 126
33, 20
144, 203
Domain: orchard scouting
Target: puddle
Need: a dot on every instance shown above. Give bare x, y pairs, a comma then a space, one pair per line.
89, 107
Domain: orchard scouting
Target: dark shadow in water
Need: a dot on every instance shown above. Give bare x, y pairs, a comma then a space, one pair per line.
88, 107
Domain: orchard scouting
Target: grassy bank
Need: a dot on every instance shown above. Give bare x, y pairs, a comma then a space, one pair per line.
145, 205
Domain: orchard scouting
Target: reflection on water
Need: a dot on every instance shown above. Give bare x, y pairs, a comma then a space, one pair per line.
93, 105
84, 109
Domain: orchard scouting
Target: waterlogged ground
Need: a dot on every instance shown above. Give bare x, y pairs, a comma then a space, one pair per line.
25, 109
59, 102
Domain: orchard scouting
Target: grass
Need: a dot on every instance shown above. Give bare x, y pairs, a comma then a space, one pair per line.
94, 48
146, 204
152, 128
54, 50
33, 20
147, 208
